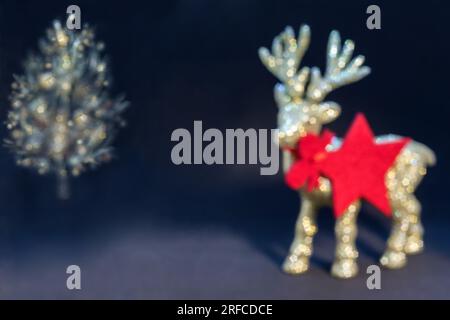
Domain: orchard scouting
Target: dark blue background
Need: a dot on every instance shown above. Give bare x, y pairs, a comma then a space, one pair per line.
141, 227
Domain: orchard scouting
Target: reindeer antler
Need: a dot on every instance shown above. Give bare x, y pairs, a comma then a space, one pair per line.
340, 70
287, 53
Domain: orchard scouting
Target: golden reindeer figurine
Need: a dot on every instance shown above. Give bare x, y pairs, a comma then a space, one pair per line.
302, 110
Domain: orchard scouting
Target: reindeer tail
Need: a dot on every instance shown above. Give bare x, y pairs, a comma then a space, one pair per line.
426, 153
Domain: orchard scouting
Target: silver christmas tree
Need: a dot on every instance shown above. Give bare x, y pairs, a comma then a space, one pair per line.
62, 119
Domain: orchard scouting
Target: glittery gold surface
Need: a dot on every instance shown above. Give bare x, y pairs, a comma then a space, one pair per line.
299, 96
62, 119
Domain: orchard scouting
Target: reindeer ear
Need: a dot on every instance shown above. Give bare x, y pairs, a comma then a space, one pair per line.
328, 111
282, 98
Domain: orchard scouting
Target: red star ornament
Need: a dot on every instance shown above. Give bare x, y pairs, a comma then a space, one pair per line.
358, 168
309, 153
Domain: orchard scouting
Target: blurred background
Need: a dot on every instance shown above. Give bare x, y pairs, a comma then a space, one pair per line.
141, 227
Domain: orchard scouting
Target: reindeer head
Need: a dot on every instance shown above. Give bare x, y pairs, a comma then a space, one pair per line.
302, 109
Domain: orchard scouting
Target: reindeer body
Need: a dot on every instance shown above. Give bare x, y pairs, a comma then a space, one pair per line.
300, 115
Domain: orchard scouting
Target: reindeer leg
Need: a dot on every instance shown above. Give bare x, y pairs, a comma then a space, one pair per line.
345, 265
414, 240
394, 257
297, 261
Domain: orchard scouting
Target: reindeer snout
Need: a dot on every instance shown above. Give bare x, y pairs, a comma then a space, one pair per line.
285, 139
